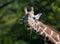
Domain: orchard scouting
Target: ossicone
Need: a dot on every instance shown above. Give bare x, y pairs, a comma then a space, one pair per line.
25, 10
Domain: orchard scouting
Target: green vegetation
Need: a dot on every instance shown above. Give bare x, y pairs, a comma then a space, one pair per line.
11, 32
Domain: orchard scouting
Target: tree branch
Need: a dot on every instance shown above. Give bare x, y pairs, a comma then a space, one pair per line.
7, 4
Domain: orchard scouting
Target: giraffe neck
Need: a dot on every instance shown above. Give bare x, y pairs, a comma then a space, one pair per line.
47, 32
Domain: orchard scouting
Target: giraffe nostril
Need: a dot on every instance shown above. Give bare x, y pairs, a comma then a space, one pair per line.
28, 26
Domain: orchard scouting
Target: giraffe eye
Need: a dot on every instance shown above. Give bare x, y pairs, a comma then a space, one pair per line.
33, 17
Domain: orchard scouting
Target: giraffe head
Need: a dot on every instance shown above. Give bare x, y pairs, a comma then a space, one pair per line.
29, 18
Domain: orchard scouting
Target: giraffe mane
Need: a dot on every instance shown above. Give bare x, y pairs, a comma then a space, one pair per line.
53, 29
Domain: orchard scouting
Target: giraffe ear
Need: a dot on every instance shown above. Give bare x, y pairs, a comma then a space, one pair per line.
25, 10
20, 21
38, 15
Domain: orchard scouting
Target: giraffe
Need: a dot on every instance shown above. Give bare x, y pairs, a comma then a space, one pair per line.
31, 21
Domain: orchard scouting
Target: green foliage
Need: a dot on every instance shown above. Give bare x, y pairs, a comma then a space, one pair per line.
20, 42
11, 32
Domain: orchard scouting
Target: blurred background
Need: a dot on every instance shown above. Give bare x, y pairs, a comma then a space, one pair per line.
11, 32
